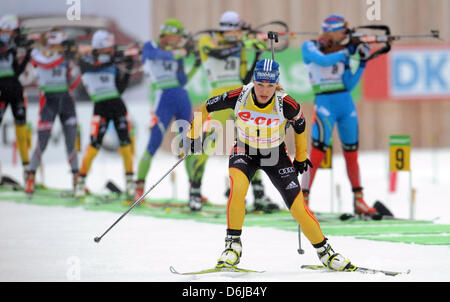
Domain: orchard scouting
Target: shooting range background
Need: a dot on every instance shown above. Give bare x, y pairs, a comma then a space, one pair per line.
424, 119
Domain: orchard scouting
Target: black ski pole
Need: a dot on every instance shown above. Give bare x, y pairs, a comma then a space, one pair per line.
300, 250
97, 239
273, 36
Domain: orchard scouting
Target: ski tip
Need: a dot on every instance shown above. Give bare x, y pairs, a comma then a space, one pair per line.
173, 270
377, 216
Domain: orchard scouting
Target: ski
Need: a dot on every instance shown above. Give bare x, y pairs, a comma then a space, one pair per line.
382, 212
8, 182
361, 217
354, 268
216, 270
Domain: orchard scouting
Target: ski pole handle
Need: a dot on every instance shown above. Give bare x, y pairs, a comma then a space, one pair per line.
272, 36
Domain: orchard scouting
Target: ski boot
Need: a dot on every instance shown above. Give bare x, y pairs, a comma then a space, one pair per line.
139, 191
29, 184
195, 199
262, 202
331, 259
360, 207
74, 181
130, 188
26, 167
265, 205
231, 256
80, 187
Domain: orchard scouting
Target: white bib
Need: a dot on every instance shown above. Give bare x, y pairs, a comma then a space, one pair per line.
101, 85
50, 79
324, 79
260, 127
222, 73
162, 73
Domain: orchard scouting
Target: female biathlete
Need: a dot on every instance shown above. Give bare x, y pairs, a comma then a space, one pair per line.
263, 111
105, 83
332, 81
163, 64
11, 89
225, 61
57, 77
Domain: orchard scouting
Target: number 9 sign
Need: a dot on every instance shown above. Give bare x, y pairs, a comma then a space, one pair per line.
399, 146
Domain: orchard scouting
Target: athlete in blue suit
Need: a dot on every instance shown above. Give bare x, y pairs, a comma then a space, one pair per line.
163, 63
332, 81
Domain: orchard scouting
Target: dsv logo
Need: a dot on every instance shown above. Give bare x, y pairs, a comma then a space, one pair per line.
287, 170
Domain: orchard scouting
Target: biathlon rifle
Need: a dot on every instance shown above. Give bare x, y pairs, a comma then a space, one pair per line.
258, 32
356, 37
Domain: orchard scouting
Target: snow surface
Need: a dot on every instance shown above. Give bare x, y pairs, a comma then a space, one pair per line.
40, 243
56, 244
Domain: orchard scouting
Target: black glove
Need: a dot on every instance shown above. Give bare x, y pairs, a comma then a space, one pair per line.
192, 145
69, 48
189, 46
22, 41
302, 166
198, 60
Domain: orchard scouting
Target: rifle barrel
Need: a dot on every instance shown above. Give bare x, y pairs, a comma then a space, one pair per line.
312, 33
417, 36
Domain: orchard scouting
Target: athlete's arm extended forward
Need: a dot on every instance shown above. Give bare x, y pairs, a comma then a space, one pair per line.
311, 53
220, 102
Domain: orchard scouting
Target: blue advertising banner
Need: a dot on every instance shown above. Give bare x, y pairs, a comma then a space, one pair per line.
418, 72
